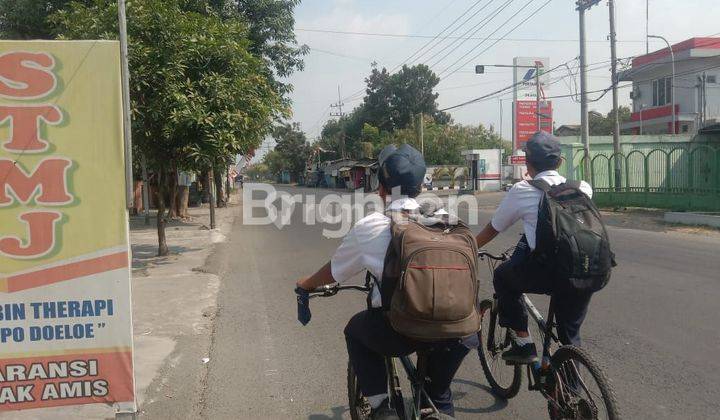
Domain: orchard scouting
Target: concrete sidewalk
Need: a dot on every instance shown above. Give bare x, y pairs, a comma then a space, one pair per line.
174, 303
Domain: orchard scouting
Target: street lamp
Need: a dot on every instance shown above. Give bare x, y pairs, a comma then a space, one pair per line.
480, 69
672, 82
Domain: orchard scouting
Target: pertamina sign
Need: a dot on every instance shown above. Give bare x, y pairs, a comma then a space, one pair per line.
65, 313
525, 117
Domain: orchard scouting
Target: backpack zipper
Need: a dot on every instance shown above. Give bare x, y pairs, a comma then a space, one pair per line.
473, 274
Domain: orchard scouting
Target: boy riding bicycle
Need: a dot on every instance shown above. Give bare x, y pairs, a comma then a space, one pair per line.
369, 334
526, 271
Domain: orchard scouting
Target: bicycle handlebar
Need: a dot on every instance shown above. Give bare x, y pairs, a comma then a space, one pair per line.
303, 297
333, 289
484, 254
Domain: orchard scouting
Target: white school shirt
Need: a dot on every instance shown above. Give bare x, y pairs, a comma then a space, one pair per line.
523, 201
364, 247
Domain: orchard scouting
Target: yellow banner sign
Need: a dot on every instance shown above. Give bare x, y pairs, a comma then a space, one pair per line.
65, 313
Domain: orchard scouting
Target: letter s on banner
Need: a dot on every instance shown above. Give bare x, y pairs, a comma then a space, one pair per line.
26, 75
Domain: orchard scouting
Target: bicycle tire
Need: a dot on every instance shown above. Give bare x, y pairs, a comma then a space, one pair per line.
579, 355
358, 404
501, 391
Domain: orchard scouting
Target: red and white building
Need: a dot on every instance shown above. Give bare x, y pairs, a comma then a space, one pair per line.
697, 88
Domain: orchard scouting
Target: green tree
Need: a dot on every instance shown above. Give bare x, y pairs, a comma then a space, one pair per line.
391, 103
271, 31
199, 97
275, 163
412, 89
378, 108
293, 148
443, 143
27, 19
603, 125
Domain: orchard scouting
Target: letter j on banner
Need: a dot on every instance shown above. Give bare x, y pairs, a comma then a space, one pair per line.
65, 312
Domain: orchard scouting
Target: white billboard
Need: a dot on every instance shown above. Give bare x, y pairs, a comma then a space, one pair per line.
524, 77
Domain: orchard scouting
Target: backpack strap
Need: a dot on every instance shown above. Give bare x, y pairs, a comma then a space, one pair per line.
573, 184
540, 184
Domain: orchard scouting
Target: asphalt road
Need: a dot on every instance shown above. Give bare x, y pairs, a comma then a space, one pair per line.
654, 329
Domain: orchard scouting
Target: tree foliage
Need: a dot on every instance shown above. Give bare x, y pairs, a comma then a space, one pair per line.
603, 125
27, 19
391, 103
443, 143
197, 92
291, 151
198, 95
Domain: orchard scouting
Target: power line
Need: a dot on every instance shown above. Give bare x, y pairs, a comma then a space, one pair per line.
483, 23
500, 91
419, 36
437, 36
506, 34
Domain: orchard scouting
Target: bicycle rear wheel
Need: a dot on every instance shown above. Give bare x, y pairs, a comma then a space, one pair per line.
359, 405
504, 379
578, 388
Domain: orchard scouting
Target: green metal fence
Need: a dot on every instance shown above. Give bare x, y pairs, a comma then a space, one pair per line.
683, 176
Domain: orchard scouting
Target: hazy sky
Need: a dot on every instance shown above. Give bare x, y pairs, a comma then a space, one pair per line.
340, 59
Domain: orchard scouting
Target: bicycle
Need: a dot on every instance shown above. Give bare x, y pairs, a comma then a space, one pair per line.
422, 407
562, 376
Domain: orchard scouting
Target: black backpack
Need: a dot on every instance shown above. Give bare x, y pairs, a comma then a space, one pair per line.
571, 237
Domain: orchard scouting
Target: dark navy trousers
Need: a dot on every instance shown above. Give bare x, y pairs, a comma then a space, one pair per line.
370, 338
522, 274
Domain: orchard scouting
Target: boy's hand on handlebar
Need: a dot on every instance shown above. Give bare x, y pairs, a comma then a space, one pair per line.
303, 304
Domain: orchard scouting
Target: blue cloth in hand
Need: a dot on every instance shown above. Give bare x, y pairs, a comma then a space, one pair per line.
303, 305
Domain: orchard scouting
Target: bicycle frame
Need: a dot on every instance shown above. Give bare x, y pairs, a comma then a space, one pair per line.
415, 374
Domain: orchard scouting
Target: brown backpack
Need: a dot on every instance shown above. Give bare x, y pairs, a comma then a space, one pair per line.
429, 286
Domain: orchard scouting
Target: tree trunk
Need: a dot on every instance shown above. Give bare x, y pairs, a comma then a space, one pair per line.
220, 174
183, 199
205, 181
173, 182
211, 201
162, 240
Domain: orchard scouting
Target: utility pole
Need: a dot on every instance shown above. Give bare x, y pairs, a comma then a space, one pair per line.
537, 96
647, 26
704, 99
616, 117
501, 118
127, 121
582, 6
211, 180
339, 106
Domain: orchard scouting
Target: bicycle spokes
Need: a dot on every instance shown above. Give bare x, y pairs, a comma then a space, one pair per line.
571, 394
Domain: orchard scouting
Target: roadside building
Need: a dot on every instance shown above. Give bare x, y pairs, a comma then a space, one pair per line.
697, 92
567, 130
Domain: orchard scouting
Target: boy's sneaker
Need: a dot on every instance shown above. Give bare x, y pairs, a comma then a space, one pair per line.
384, 412
520, 355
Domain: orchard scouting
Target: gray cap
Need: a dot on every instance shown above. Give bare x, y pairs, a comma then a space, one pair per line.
402, 167
543, 149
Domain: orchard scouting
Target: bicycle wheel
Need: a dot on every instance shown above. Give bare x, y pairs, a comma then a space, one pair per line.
578, 388
359, 405
504, 379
